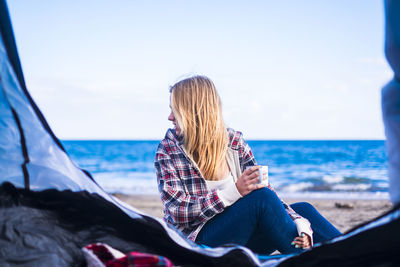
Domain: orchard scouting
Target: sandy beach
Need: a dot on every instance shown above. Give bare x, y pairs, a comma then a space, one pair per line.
344, 214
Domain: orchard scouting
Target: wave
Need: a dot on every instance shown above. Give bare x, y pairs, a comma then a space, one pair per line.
296, 167
332, 179
138, 183
335, 195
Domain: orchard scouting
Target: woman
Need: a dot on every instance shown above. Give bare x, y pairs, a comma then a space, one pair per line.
208, 181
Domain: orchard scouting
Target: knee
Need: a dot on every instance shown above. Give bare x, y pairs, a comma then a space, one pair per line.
263, 195
301, 207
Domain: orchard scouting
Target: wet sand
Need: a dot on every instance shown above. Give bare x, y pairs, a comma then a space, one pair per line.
344, 214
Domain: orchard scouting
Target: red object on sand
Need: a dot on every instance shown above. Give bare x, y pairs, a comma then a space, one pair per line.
109, 257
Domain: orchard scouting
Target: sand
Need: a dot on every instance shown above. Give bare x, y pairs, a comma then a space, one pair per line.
344, 214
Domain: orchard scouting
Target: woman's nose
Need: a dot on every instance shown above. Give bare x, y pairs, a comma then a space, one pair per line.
171, 117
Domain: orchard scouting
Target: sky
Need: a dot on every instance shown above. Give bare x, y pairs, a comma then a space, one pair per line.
284, 69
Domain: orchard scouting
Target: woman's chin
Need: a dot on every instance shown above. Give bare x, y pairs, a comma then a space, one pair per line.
178, 131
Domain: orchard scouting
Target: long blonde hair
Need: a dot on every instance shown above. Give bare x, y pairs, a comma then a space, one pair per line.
198, 110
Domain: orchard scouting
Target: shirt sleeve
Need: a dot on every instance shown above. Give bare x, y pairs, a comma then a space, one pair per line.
229, 194
186, 210
304, 226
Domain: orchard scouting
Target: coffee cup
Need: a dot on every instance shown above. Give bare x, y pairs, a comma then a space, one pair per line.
263, 174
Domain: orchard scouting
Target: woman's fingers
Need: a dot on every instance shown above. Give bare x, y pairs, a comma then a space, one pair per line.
253, 173
301, 245
253, 170
302, 242
249, 181
253, 181
248, 171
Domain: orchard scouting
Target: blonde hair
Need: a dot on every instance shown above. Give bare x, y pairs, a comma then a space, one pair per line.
198, 110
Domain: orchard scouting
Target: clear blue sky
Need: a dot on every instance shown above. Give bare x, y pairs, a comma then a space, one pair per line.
284, 69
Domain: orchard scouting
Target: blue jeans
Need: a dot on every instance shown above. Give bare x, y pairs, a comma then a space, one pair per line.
260, 222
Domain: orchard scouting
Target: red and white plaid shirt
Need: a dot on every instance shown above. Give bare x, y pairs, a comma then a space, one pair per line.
188, 204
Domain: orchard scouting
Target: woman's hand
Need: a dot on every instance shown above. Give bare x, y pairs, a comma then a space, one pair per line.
302, 241
248, 181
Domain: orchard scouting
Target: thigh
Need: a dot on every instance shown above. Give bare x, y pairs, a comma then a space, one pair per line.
234, 225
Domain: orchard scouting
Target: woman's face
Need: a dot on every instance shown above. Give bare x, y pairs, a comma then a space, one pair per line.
172, 118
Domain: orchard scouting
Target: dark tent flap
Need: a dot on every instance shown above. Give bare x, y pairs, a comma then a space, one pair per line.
50, 227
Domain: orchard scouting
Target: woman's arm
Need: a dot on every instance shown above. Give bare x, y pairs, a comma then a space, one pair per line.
186, 210
247, 159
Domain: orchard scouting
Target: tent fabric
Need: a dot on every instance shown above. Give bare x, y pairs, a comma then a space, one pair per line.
50, 227
391, 97
7, 35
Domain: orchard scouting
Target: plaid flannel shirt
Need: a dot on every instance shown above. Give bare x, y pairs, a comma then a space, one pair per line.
188, 204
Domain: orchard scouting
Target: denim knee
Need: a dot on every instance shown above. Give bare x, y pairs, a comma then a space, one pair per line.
303, 206
265, 197
262, 193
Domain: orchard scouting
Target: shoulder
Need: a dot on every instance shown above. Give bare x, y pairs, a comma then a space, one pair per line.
169, 145
235, 139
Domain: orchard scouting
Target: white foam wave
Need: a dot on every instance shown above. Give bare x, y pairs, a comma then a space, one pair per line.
335, 195
383, 185
146, 183
128, 183
296, 187
351, 187
332, 179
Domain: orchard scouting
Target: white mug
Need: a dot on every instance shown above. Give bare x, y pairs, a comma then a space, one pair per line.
263, 177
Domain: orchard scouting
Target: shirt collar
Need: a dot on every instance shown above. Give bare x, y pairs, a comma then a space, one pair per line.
171, 134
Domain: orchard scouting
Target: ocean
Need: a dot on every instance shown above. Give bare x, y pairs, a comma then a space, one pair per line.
315, 169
